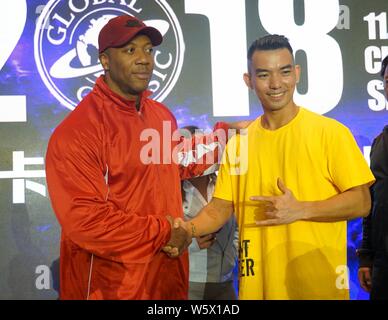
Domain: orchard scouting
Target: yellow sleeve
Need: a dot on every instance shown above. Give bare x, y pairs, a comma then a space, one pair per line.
347, 165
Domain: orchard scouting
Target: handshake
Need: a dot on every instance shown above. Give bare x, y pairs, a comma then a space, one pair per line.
181, 234
180, 239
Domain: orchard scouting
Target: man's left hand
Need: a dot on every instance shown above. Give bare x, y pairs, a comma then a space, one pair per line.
283, 209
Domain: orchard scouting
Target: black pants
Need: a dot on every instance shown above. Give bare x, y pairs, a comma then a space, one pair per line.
212, 291
379, 283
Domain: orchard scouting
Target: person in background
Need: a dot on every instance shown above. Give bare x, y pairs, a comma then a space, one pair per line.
373, 253
212, 257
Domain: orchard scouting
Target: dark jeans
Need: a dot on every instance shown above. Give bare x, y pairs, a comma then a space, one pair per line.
379, 283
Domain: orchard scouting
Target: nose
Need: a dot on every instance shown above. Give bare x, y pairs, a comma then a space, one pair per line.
275, 81
143, 57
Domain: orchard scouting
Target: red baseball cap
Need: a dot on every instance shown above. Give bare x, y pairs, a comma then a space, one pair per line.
120, 30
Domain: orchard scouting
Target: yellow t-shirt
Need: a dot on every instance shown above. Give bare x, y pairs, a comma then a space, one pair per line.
317, 158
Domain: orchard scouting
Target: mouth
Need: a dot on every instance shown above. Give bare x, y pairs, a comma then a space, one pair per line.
142, 75
276, 95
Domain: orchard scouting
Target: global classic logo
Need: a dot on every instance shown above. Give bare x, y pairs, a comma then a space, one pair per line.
66, 45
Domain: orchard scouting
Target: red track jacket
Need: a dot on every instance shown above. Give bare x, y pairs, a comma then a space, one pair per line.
112, 204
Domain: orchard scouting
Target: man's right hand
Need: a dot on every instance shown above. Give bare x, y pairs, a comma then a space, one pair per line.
180, 239
365, 278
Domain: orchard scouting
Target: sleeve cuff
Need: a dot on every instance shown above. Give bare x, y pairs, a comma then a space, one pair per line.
166, 229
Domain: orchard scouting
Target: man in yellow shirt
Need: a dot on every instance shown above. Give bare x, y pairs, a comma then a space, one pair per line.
293, 180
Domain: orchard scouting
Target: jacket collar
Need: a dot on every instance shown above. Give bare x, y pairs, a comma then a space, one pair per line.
121, 102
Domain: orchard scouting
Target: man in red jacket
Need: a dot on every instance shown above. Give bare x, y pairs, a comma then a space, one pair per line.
114, 196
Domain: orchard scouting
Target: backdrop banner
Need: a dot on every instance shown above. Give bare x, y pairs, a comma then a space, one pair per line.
49, 62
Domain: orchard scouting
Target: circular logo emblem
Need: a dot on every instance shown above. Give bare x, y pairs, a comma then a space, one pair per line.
66, 45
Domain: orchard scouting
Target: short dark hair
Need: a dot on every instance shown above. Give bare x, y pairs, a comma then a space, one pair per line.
384, 64
269, 42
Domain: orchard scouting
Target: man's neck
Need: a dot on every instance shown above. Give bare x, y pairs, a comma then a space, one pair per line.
273, 120
116, 89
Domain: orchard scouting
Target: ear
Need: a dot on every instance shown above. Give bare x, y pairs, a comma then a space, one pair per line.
104, 59
297, 72
247, 80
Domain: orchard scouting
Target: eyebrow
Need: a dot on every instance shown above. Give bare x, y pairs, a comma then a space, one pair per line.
288, 66
133, 42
